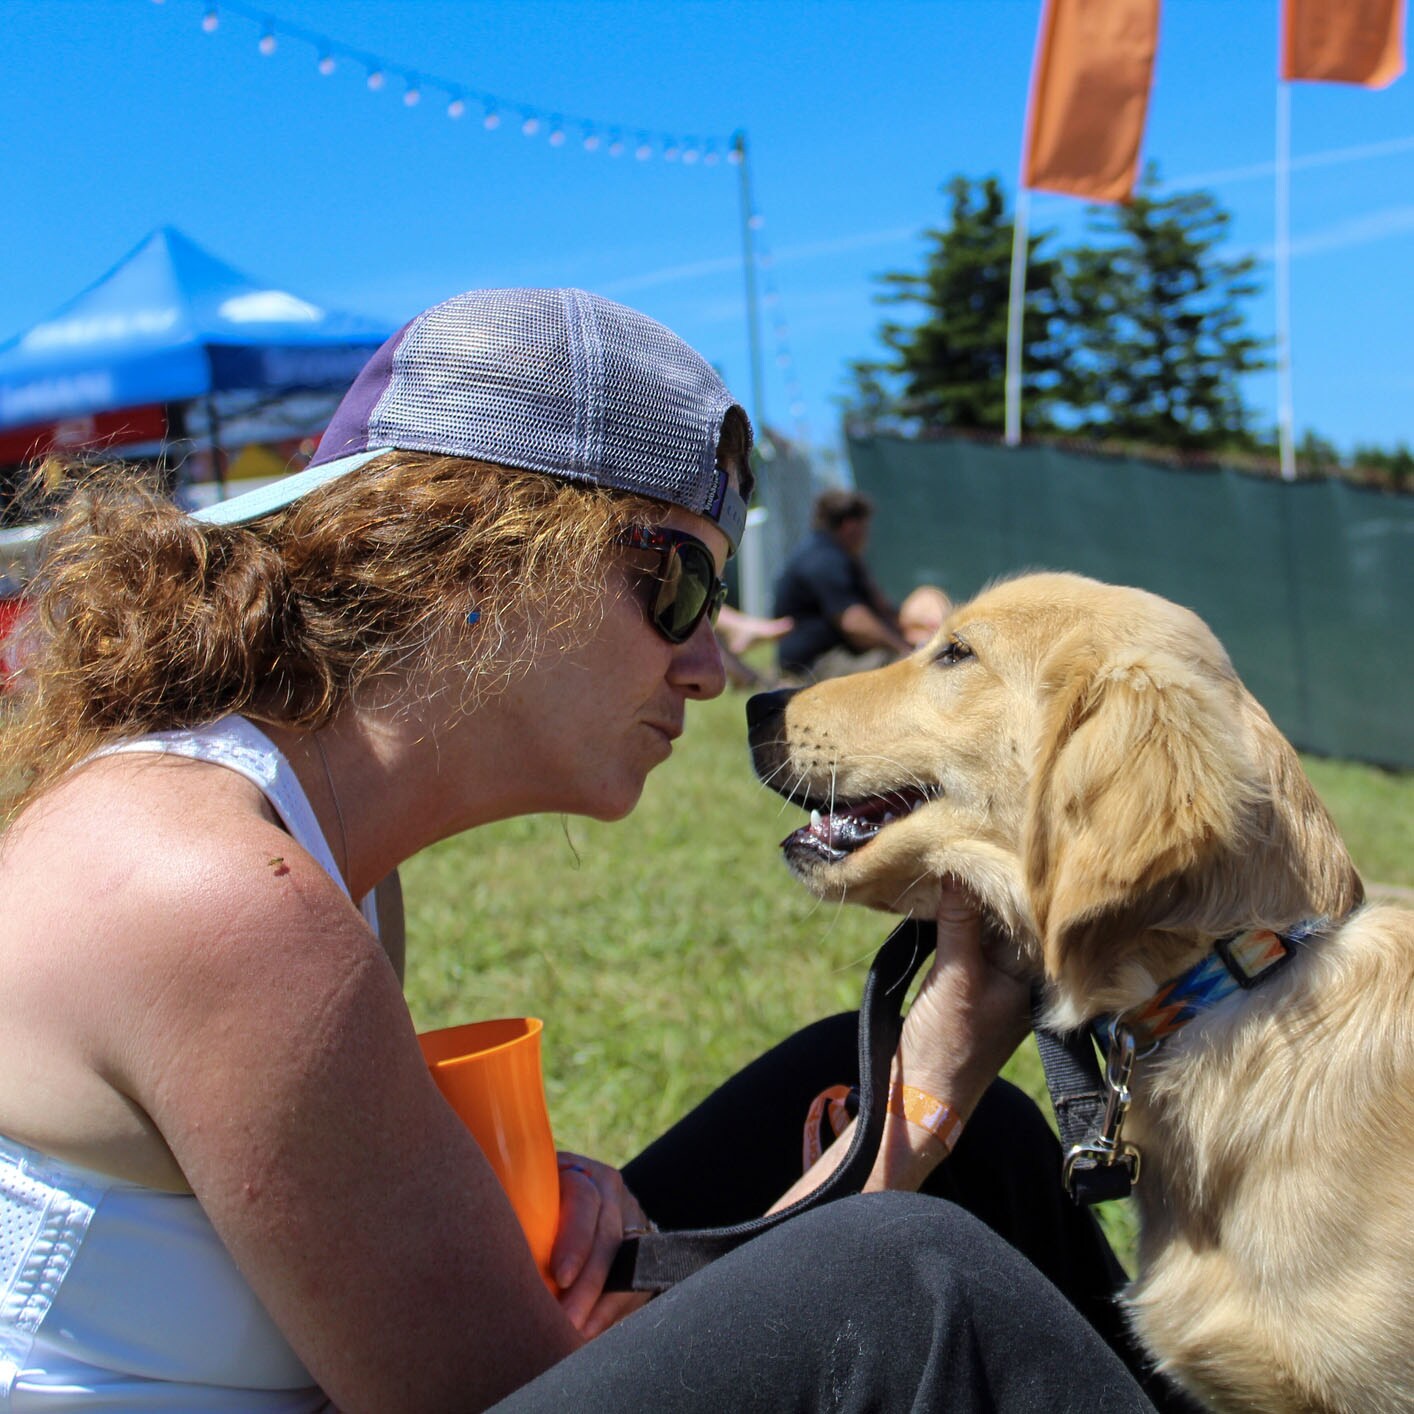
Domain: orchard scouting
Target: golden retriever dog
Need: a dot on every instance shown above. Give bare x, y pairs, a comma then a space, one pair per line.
1085, 759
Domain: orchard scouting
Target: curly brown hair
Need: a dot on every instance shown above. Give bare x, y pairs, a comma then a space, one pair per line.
145, 619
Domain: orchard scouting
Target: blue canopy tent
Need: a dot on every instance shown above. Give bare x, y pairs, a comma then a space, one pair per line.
171, 325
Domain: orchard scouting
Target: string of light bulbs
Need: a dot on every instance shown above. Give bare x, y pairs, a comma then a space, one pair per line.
460, 99
594, 135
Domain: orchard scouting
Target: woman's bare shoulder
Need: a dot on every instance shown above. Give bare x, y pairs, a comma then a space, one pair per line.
126, 832
148, 898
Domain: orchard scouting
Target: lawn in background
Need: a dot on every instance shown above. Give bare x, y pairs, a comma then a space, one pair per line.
666, 950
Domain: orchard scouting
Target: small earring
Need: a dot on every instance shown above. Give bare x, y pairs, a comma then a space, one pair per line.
473, 618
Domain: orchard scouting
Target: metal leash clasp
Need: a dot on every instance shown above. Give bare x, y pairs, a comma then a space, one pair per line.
1107, 1150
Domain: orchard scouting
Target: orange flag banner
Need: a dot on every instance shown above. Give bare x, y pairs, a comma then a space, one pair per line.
1090, 97
1343, 41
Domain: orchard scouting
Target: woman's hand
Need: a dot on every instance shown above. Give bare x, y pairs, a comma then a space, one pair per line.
970, 1013
596, 1210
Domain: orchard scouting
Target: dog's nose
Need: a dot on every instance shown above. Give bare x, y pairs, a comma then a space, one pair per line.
765, 706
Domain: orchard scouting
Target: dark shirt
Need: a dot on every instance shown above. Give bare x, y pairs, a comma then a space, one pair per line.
820, 581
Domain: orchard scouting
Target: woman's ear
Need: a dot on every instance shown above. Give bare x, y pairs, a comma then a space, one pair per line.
1142, 778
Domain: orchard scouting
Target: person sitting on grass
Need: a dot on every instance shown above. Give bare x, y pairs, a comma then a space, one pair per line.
843, 621
227, 1179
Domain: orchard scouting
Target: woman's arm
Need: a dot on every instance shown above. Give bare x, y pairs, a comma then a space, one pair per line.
240, 1002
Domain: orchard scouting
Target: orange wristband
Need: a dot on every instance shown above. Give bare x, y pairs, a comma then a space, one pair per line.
926, 1111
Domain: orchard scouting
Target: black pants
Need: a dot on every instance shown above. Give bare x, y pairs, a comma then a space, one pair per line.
884, 1302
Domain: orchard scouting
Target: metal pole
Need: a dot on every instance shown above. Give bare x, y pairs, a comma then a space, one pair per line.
1016, 308
1285, 404
753, 571
748, 260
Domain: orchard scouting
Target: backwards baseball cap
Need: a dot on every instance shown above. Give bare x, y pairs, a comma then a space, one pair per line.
555, 381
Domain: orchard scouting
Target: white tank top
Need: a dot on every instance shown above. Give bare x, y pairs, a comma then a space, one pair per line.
115, 1297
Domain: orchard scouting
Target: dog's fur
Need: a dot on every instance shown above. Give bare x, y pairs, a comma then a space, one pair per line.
1099, 777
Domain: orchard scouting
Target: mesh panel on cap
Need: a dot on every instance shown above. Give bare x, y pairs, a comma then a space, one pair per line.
557, 381
663, 407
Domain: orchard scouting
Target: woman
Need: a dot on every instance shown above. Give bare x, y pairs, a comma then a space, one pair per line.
228, 1181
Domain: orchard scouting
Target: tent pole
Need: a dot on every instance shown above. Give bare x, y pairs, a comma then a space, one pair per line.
218, 470
174, 415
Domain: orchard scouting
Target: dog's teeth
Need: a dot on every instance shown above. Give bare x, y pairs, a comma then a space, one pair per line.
815, 820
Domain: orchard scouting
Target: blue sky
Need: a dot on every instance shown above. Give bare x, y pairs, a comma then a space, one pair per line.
120, 115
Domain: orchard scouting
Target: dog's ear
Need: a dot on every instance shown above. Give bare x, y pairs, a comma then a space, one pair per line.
1141, 779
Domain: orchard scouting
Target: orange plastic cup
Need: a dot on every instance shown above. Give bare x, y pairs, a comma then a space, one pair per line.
489, 1072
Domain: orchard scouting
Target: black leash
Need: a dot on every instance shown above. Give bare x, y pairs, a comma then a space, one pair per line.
658, 1260
1096, 1168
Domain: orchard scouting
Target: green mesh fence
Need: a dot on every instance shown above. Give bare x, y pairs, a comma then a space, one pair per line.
1309, 584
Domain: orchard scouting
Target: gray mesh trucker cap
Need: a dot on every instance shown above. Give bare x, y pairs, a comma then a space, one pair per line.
557, 381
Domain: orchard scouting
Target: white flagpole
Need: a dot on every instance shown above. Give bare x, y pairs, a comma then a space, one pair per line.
1285, 412
1016, 306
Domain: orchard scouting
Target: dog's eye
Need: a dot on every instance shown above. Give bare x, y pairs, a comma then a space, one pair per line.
954, 651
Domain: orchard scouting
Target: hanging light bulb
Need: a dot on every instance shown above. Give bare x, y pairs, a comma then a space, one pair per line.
376, 79
326, 64
756, 221
492, 120
267, 43
616, 146
413, 95
592, 141
690, 155
530, 126
671, 152
211, 21
734, 156
456, 108
643, 151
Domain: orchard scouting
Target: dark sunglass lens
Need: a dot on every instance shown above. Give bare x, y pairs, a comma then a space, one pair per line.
693, 578
669, 591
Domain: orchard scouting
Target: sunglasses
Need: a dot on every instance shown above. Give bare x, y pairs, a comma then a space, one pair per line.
686, 588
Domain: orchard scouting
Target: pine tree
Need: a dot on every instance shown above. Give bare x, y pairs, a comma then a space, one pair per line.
1155, 331
947, 370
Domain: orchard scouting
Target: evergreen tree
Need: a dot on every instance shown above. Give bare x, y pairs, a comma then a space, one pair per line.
1155, 331
947, 370
1393, 466
1317, 455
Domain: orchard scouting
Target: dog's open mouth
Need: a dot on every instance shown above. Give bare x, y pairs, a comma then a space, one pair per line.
850, 825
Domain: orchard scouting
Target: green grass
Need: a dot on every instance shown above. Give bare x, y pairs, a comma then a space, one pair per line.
665, 951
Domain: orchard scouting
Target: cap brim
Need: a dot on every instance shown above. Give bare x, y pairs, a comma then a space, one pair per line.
276, 495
